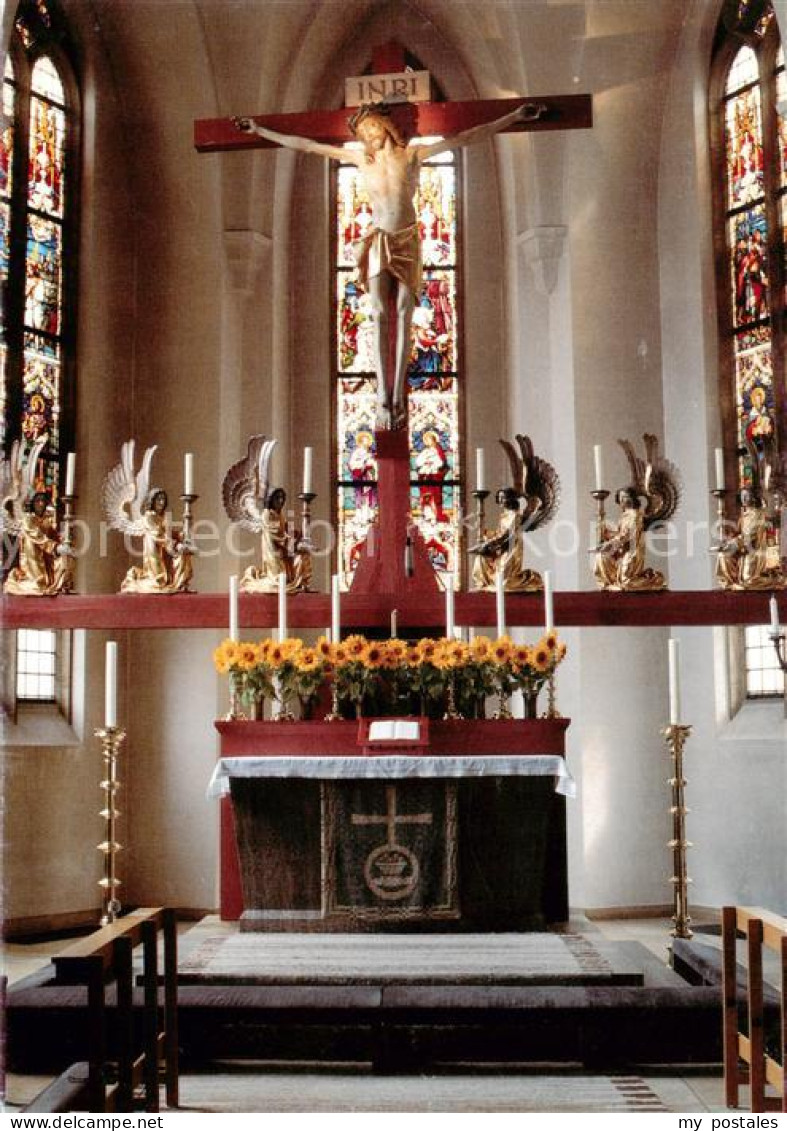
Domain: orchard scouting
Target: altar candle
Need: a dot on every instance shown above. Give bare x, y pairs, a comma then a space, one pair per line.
500, 599
282, 607
394, 624
599, 467
674, 683
111, 685
188, 473
336, 630
549, 610
234, 621
307, 470
450, 608
480, 476
774, 609
71, 472
719, 469
409, 563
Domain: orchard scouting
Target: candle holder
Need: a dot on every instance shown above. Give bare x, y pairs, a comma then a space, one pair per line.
480, 510
334, 715
503, 705
235, 714
306, 498
111, 741
552, 711
66, 549
450, 710
188, 517
601, 514
720, 495
675, 736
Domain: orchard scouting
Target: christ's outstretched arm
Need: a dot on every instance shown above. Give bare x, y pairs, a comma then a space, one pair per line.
295, 141
527, 112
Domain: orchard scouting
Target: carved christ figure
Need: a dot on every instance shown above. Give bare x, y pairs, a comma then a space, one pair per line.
388, 254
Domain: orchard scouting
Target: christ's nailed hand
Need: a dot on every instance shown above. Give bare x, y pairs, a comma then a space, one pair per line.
245, 125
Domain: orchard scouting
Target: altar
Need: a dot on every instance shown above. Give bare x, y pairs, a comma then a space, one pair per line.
466, 832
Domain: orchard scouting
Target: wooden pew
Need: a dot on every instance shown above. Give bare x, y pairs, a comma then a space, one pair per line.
759, 928
103, 957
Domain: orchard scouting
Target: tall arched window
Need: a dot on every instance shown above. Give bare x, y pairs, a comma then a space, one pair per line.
38, 187
750, 165
434, 375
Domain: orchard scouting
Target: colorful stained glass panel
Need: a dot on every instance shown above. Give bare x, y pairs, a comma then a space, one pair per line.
436, 211
435, 513
353, 214
41, 396
354, 330
748, 236
743, 130
744, 70
45, 167
42, 275
434, 330
5, 220
754, 388
357, 510
7, 140
355, 426
434, 434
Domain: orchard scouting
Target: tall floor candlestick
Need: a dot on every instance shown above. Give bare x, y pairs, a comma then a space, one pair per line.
282, 607
500, 603
111, 741
676, 735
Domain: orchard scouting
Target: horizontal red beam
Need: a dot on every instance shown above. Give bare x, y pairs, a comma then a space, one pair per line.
312, 610
564, 112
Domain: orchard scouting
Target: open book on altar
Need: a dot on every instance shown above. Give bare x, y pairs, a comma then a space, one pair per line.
394, 730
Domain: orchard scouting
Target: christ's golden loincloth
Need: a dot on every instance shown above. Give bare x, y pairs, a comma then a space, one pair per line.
398, 253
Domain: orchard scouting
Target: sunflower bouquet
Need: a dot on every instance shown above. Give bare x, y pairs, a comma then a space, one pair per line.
392, 676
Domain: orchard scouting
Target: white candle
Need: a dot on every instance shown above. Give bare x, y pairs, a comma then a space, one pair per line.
500, 600
674, 683
549, 609
282, 607
336, 598
307, 470
409, 561
599, 467
394, 624
774, 609
111, 685
188, 473
71, 472
234, 621
480, 476
450, 607
719, 469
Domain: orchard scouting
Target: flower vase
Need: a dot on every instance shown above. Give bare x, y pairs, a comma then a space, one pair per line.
531, 703
256, 705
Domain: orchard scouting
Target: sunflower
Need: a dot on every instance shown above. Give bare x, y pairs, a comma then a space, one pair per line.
441, 657
522, 656
248, 657
276, 654
412, 656
502, 650
426, 649
308, 660
339, 654
550, 640
355, 646
542, 659
291, 648
220, 660
395, 652
457, 652
263, 650
481, 649
561, 652
373, 655
227, 654
324, 647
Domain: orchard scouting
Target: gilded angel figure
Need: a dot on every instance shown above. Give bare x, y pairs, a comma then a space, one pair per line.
747, 560
651, 497
250, 501
135, 507
531, 502
45, 564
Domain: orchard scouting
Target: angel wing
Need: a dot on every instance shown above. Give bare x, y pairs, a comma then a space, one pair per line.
541, 482
246, 485
123, 492
656, 479
533, 478
17, 482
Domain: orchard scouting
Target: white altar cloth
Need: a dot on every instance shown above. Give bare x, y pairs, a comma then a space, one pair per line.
394, 766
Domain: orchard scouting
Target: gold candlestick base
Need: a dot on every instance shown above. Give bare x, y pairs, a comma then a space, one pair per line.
334, 715
675, 736
111, 741
451, 711
503, 709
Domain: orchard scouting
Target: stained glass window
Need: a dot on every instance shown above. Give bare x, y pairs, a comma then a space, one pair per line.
433, 373
37, 183
752, 178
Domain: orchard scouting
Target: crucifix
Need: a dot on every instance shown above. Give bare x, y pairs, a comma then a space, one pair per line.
388, 255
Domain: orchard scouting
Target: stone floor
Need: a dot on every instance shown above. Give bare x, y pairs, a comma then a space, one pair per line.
242, 1087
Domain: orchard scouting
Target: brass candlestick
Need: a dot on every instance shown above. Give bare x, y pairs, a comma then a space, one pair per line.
307, 498
675, 736
111, 741
601, 514
552, 711
334, 715
66, 544
188, 516
450, 710
480, 512
720, 495
235, 714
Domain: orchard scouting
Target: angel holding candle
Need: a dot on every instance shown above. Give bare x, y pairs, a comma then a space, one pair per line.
744, 560
45, 564
620, 554
250, 501
134, 507
530, 503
